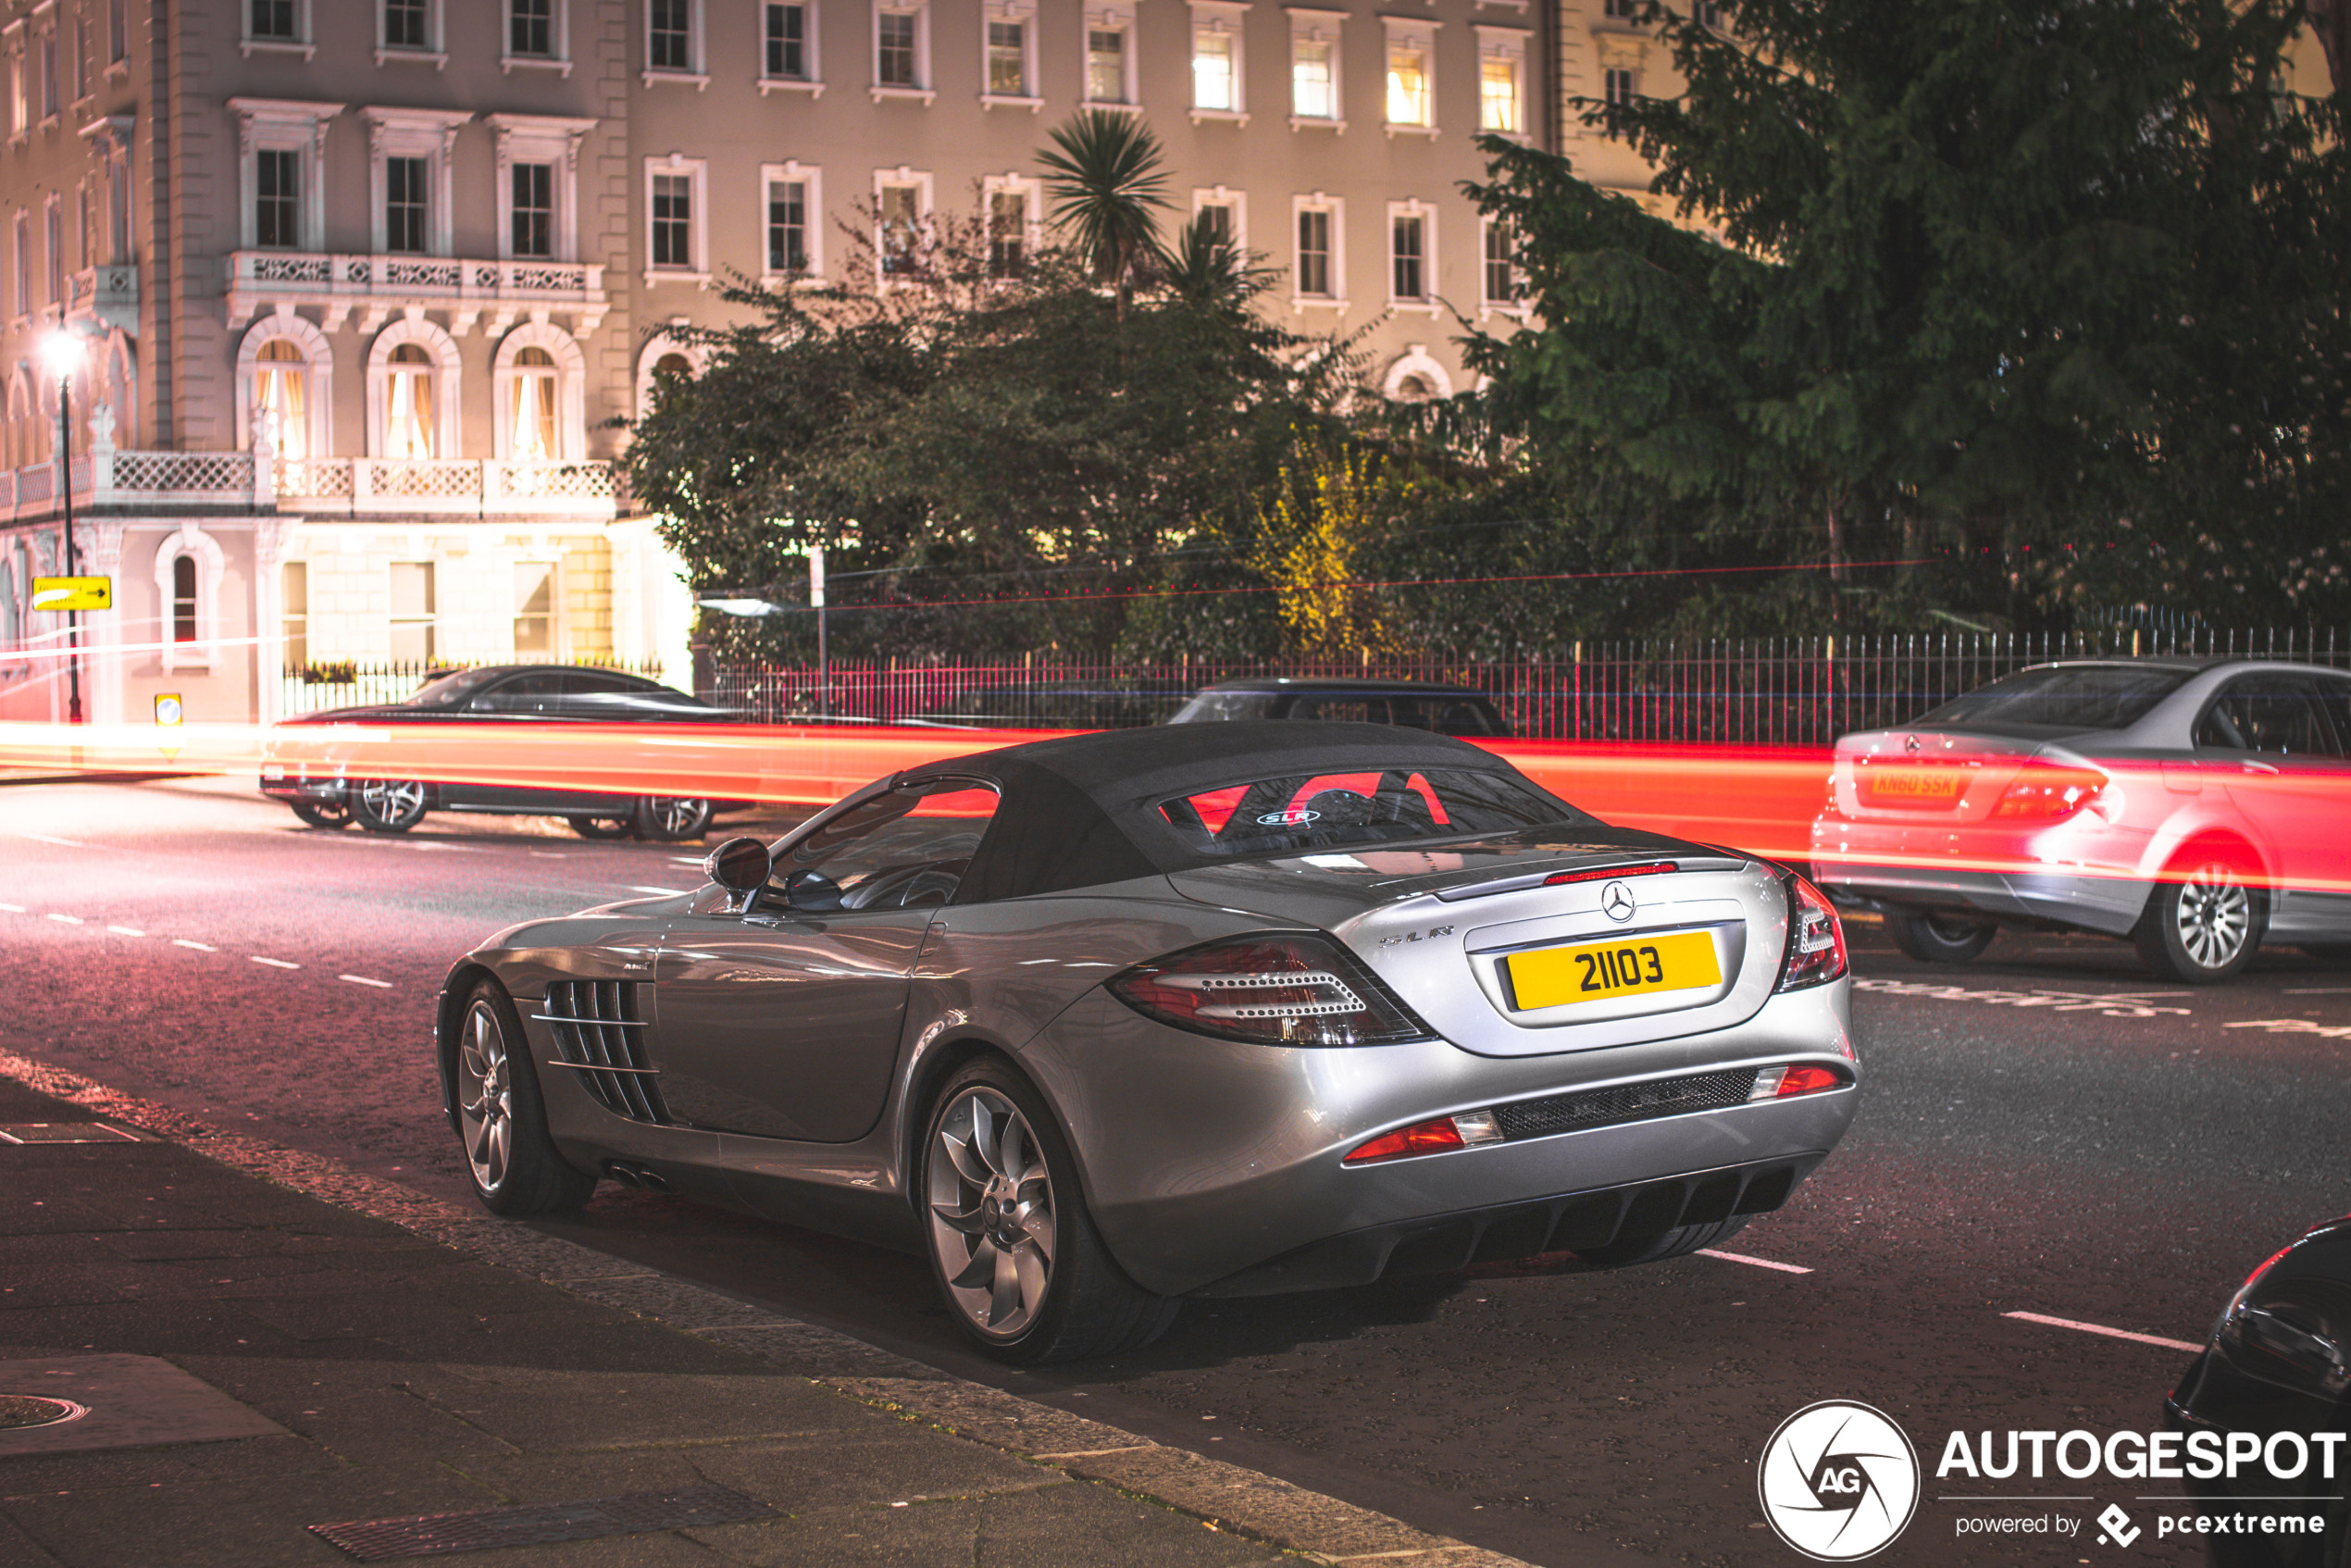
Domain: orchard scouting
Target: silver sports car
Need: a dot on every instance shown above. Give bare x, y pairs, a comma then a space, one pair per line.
1102, 1022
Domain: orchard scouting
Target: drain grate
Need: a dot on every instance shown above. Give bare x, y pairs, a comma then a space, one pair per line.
64, 1132
540, 1524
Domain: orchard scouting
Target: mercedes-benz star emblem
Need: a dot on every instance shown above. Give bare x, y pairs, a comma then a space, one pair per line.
1910, 744
1617, 899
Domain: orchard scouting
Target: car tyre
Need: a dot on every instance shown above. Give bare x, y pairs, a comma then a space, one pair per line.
501, 1121
323, 813
666, 819
1006, 1228
603, 827
2204, 922
1629, 1250
1939, 938
388, 805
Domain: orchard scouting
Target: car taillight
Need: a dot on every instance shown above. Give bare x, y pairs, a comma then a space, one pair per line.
1608, 873
1287, 989
2046, 792
1815, 939
1432, 1137
1781, 1083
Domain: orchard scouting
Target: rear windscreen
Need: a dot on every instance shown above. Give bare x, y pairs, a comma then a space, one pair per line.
2061, 697
1302, 812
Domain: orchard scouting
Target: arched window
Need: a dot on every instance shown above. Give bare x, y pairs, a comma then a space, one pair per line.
283, 393
408, 405
183, 599
537, 433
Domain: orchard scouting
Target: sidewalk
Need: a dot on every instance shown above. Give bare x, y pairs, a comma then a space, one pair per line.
257, 1363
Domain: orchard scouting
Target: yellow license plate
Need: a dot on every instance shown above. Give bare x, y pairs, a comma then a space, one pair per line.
1594, 971
1914, 784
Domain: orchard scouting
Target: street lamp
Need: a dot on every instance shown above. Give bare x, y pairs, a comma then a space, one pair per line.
62, 351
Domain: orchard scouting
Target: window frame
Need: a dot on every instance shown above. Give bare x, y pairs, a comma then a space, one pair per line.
1021, 14
1409, 33
1222, 19
1413, 209
1232, 201
283, 125
1326, 29
429, 134
1506, 46
302, 41
542, 139
811, 25
924, 88
696, 70
1334, 255
434, 50
812, 179
1488, 304
318, 355
571, 400
902, 177
429, 619
696, 172
558, 57
1119, 17
204, 551
1031, 192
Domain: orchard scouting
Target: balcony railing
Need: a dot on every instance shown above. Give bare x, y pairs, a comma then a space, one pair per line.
349, 486
377, 285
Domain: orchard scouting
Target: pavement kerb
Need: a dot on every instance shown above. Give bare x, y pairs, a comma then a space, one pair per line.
1225, 1497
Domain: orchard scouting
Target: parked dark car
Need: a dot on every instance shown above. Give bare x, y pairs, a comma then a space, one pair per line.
308, 778
2279, 1363
1447, 710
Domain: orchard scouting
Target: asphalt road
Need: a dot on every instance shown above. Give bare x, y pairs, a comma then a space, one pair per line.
2048, 1131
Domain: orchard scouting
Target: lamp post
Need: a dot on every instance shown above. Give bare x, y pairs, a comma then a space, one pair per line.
63, 351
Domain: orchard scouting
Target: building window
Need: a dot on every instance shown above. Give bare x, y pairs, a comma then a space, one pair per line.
1409, 269
787, 226
407, 24
1407, 100
1622, 10
276, 195
537, 433
1502, 283
23, 291
274, 21
283, 393
118, 31
532, 218
674, 221
49, 74
409, 426
1008, 59
530, 28
1109, 60
1314, 252
1707, 14
1007, 232
1499, 97
1216, 59
412, 612
534, 606
20, 106
1618, 88
1225, 213
899, 207
405, 205
183, 599
670, 39
1315, 77
118, 208
53, 222
896, 51
786, 28
294, 613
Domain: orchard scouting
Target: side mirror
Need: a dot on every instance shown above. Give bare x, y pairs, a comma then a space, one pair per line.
741, 867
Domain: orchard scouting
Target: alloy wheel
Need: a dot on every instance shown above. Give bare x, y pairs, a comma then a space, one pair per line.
991, 1213
390, 800
486, 1096
2215, 917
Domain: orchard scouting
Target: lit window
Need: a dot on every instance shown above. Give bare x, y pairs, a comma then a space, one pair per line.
1007, 233
276, 185
1215, 80
183, 599
535, 437
408, 404
1498, 95
894, 63
1314, 252
533, 217
786, 36
669, 37
1106, 65
284, 396
1008, 59
405, 205
1408, 256
674, 221
1313, 84
412, 612
1407, 84
787, 226
294, 601
900, 229
534, 606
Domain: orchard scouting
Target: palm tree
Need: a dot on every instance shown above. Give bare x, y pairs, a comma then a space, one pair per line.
1207, 271
1106, 172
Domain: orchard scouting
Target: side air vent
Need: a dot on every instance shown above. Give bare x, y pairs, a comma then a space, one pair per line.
600, 1034
1627, 1103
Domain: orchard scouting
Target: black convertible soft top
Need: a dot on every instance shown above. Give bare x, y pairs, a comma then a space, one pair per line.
1079, 811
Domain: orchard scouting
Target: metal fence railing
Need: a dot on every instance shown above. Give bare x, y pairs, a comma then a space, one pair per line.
1768, 691
312, 688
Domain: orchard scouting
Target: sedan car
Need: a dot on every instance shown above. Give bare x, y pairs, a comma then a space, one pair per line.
299, 771
2275, 1375
1102, 1022
1447, 710
2194, 805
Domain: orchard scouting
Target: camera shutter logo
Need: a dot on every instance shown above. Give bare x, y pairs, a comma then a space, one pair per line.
1839, 1481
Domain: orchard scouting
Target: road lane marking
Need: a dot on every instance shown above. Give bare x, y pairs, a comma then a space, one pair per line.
548, 854
126, 930
200, 947
2318, 990
273, 963
15, 908
2114, 1005
66, 919
2109, 1333
45, 839
363, 980
2274, 1026
1757, 1263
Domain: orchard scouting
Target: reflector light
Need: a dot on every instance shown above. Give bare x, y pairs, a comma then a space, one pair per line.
1298, 990
1780, 1083
1421, 1138
1815, 937
1608, 873
2046, 791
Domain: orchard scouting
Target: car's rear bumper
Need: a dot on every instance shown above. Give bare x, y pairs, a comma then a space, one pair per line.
1218, 1166
2047, 892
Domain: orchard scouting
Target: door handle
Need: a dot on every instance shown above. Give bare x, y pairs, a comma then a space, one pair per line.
2256, 767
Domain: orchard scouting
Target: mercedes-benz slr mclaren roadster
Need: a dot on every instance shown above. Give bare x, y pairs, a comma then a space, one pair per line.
1102, 1022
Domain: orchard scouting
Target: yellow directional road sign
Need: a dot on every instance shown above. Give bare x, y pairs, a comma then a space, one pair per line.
167, 707
73, 593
